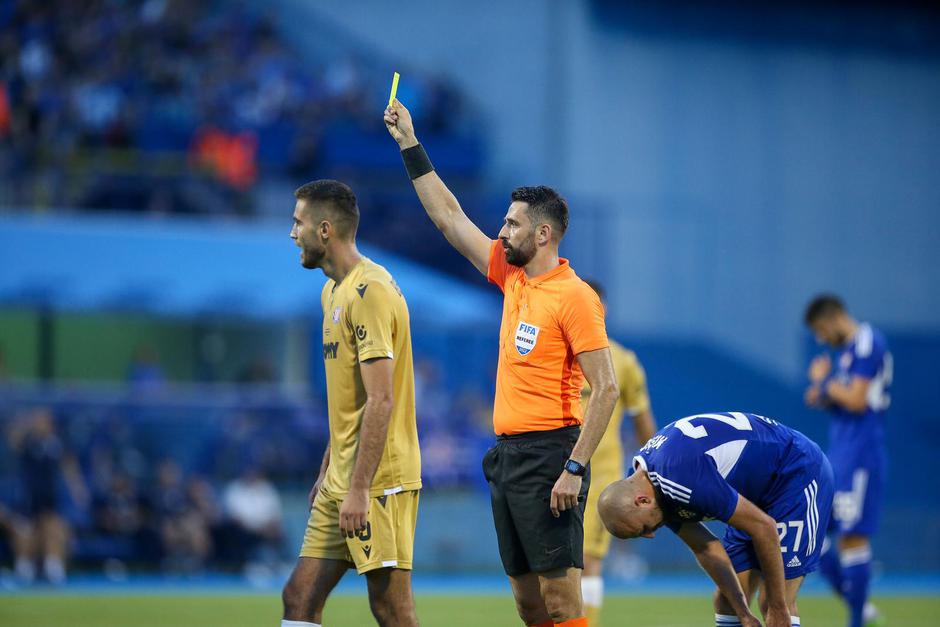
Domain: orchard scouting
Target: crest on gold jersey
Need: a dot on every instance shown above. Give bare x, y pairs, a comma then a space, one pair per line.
526, 337
336, 315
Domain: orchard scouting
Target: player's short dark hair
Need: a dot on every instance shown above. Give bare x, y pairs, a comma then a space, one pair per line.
597, 287
545, 206
823, 306
339, 201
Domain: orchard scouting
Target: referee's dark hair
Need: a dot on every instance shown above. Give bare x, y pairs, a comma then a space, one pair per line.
546, 206
339, 203
823, 306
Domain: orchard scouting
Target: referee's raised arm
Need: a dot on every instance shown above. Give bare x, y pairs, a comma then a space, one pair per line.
538, 488
441, 205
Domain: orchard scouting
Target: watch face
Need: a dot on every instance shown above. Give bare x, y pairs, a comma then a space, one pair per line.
574, 467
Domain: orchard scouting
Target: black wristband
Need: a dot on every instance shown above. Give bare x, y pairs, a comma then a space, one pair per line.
416, 161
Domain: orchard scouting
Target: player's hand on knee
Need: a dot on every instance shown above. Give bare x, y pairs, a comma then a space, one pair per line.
750, 621
565, 493
777, 617
354, 512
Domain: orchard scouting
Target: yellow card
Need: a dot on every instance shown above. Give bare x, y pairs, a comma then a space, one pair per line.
391, 97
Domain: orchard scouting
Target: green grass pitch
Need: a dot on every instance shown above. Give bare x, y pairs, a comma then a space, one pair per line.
254, 610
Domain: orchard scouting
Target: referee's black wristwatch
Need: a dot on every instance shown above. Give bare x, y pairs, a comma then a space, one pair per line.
576, 468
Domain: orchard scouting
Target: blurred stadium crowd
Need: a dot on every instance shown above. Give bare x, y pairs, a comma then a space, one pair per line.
99, 100
157, 476
187, 107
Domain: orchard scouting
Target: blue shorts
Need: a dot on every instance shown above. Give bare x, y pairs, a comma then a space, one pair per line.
801, 512
859, 484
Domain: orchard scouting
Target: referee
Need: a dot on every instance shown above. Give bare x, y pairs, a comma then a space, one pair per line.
552, 338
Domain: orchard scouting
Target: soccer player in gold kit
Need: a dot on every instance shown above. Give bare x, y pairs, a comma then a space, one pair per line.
364, 502
607, 464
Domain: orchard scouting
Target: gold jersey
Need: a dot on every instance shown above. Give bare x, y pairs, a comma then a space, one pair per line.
634, 399
366, 317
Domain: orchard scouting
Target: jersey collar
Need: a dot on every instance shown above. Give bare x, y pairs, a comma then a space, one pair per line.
354, 271
562, 267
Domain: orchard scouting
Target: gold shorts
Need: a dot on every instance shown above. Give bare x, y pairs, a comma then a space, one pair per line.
388, 539
596, 536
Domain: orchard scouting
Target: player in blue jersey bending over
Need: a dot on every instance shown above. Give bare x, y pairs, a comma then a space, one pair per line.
856, 393
771, 484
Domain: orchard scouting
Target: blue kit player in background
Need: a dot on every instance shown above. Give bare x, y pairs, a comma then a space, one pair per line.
771, 484
856, 394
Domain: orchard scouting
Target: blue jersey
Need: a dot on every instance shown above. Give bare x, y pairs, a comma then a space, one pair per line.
865, 356
700, 464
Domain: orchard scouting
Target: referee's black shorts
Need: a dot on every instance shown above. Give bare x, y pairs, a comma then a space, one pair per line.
522, 470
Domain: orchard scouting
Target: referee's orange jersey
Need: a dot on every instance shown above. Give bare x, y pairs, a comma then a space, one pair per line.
547, 321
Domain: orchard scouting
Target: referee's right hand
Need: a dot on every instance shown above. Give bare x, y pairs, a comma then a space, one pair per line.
400, 127
565, 493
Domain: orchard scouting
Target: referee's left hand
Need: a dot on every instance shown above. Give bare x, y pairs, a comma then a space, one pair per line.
565, 493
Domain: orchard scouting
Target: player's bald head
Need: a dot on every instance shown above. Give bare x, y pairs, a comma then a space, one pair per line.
616, 507
628, 507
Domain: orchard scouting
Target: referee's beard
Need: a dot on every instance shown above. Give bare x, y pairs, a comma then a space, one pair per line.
520, 255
